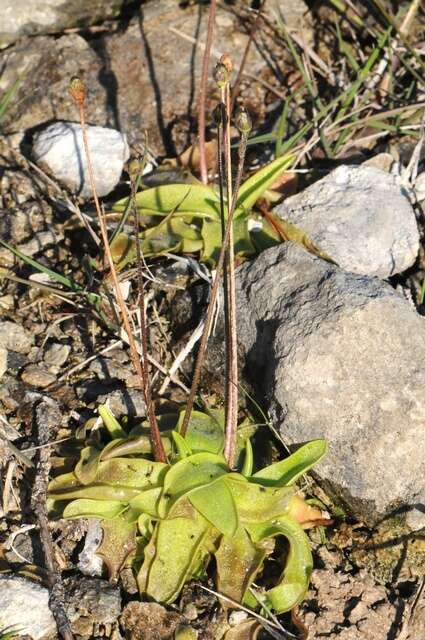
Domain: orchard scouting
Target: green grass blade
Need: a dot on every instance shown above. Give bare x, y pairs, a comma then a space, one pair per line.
53, 275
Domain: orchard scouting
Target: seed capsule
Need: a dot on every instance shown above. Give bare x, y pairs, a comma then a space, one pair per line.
77, 89
243, 121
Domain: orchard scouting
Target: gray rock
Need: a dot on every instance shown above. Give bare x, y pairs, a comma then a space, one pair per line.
3, 361
124, 402
141, 78
361, 217
20, 17
40, 241
89, 562
340, 356
420, 187
56, 354
296, 15
14, 337
59, 148
36, 376
25, 605
383, 161
92, 602
109, 369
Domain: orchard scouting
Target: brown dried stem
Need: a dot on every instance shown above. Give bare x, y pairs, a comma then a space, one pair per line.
78, 93
254, 27
46, 416
231, 405
143, 331
203, 93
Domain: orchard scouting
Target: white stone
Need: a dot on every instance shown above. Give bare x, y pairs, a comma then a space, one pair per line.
25, 605
59, 148
14, 337
361, 217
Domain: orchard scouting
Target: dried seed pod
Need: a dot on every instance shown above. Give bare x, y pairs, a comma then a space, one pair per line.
77, 89
226, 61
243, 121
221, 75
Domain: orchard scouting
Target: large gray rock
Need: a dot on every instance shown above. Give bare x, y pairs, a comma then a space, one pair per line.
143, 78
361, 217
340, 356
59, 148
25, 606
24, 18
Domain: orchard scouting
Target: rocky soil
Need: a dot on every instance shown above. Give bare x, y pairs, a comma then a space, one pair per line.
330, 346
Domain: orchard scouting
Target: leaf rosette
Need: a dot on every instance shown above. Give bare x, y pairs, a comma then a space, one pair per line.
169, 519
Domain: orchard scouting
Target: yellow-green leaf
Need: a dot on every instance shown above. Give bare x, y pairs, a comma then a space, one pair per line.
215, 502
190, 473
198, 200
294, 581
172, 556
287, 471
118, 542
256, 503
205, 432
111, 423
261, 180
83, 508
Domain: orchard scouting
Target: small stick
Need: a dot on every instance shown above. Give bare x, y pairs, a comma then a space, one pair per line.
47, 413
78, 92
221, 76
244, 125
232, 378
203, 94
254, 27
143, 332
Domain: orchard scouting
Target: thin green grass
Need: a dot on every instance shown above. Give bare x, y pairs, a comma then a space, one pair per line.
378, 80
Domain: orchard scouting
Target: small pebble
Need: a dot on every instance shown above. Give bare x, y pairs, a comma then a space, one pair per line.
36, 376
3, 361
25, 605
57, 354
237, 617
14, 337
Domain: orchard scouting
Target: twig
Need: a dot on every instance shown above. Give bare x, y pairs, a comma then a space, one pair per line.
78, 92
203, 93
143, 333
244, 125
47, 416
235, 90
238, 605
231, 405
181, 357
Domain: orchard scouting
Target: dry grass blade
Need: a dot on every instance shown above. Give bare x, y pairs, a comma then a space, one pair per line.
203, 93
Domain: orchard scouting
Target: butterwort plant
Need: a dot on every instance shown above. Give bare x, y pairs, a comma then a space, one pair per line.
168, 520
176, 494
